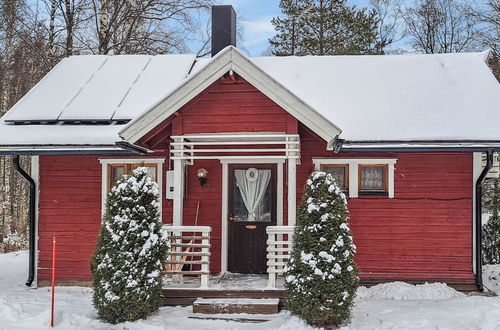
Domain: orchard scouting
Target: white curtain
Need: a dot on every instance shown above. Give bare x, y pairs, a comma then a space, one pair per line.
252, 190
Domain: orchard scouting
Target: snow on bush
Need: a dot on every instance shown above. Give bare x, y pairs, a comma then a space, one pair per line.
491, 239
491, 277
131, 249
320, 277
15, 242
405, 291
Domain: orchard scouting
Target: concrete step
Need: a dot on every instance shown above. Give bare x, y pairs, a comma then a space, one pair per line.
236, 306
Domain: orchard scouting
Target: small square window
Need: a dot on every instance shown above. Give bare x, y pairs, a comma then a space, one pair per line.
373, 178
340, 173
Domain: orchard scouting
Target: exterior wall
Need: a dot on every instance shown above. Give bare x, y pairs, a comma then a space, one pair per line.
70, 209
426, 230
232, 107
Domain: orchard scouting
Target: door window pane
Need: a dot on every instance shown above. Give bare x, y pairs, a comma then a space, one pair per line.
252, 195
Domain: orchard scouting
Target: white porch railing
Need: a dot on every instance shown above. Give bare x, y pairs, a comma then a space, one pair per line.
189, 245
279, 247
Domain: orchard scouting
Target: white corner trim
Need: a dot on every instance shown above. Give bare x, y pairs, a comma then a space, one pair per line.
353, 171
35, 174
225, 182
477, 168
104, 176
230, 59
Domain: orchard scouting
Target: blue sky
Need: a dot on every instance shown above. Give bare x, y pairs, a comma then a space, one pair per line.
255, 18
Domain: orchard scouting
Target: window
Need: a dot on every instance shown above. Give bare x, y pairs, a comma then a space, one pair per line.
361, 176
113, 169
340, 173
372, 178
116, 171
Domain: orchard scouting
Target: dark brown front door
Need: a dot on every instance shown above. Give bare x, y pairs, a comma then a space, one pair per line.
251, 208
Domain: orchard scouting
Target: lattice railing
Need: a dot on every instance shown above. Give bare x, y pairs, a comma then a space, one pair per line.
189, 252
279, 247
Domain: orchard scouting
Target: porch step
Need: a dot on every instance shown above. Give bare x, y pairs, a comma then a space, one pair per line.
229, 318
236, 306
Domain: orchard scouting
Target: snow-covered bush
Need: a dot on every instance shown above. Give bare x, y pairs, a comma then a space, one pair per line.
491, 240
321, 279
15, 242
127, 264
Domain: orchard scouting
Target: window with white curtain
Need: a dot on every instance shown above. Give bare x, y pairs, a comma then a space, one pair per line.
360, 176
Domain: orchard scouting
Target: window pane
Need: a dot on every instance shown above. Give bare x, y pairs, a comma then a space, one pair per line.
116, 173
338, 174
152, 172
372, 178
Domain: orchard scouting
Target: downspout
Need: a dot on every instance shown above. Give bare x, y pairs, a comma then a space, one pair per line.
32, 215
479, 236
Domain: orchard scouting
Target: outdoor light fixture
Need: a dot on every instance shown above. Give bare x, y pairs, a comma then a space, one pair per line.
202, 175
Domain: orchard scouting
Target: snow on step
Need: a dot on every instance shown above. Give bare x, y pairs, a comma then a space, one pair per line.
236, 305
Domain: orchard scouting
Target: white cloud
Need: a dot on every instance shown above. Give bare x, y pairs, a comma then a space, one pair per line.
258, 31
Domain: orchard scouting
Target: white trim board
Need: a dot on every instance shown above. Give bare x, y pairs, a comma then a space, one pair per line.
224, 214
35, 174
104, 176
477, 168
230, 60
353, 171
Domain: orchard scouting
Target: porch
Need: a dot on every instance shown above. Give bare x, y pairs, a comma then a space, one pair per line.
188, 262
238, 185
188, 279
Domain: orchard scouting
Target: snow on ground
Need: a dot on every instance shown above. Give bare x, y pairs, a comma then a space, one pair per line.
387, 306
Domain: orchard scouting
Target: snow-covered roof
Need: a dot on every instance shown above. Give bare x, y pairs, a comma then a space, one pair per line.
101, 88
404, 97
446, 97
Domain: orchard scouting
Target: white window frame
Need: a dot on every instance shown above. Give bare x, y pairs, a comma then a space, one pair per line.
116, 161
353, 164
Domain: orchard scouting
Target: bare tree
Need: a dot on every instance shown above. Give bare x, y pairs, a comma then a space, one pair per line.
390, 27
441, 26
151, 27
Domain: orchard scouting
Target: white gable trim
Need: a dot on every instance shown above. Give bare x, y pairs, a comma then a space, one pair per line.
227, 60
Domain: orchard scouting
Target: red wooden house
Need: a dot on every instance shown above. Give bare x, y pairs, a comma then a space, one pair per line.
409, 138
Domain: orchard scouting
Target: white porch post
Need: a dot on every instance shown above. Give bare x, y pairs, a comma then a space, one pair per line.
292, 191
179, 167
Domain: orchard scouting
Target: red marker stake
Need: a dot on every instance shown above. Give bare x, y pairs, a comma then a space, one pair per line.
53, 278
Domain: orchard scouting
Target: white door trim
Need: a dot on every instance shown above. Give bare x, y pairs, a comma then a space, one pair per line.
225, 181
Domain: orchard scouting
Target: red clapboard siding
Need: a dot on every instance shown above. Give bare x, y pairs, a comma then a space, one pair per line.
426, 229
232, 107
70, 209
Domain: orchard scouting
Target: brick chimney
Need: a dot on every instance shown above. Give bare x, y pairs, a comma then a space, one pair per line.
223, 27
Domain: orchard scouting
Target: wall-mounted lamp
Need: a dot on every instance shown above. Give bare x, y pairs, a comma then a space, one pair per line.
202, 175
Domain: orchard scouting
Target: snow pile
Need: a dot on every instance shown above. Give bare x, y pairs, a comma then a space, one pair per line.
405, 291
491, 278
